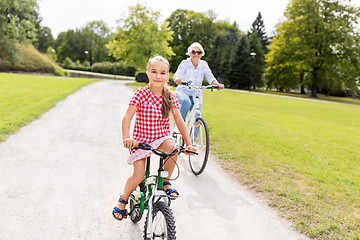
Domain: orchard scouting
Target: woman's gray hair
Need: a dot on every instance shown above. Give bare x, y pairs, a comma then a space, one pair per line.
193, 46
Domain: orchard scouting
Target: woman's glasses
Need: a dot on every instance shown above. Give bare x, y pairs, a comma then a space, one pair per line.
196, 52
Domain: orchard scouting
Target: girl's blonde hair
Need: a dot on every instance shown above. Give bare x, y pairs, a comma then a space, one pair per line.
167, 101
193, 46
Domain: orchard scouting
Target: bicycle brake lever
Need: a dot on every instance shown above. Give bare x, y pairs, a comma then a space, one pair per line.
195, 153
143, 146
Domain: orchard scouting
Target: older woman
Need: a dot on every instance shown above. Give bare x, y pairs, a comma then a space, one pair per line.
192, 69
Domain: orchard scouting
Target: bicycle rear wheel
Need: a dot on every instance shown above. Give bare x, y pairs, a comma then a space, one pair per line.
199, 135
163, 222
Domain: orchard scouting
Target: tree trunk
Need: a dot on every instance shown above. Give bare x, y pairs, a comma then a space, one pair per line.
313, 87
302, 88
313, 91
314, 80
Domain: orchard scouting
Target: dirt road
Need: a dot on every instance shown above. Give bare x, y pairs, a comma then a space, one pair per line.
61, 175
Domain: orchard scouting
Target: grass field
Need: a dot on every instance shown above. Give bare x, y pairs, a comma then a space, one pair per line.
304, 156
23, 98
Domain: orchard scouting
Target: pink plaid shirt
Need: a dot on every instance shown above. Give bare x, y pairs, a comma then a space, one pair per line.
150, 125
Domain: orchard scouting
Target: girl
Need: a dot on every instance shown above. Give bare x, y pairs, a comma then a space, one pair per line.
153, 105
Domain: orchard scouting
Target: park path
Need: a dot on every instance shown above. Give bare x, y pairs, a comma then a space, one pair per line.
61, 175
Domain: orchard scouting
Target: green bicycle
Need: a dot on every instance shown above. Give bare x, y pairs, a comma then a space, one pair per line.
151, 196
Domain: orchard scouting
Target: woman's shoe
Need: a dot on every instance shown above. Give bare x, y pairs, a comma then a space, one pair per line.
123, 212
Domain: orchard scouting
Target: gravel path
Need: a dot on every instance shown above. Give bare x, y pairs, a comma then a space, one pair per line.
61, 175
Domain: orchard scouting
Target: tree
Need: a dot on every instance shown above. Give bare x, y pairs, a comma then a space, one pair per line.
284, 70
85, 45
318, 41
218, 57
96, 36
188, 27
141, 37
18, 20
240, 65
257, 61
258, 28
70, 45
44, 40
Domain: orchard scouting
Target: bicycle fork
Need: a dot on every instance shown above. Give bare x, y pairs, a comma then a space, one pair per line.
158, 194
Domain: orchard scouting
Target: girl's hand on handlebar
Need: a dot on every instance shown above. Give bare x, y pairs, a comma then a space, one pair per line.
129, 143
190, 148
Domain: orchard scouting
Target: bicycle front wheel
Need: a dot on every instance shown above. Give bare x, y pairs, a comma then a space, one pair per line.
199, 135
163, 226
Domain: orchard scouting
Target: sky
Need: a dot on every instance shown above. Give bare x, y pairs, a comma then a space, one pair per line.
62, 15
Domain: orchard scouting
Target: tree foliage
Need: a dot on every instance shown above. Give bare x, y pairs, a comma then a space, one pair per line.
18, 20
86, 44
257, 60
318, 40
44, 40
218, 57
258, 28
140, 37
97, 34
188, 27
240, 65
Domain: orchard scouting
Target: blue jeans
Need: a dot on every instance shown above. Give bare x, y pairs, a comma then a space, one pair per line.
186, 104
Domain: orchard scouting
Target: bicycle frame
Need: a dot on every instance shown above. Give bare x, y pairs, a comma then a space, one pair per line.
154, 186
190, 118
195, 111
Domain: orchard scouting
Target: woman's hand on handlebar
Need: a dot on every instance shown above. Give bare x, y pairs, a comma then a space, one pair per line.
178, 81
129, 143
216, 83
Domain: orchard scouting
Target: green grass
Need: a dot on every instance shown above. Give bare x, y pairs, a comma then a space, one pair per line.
24, 98
304, 156
322, 97
31, 60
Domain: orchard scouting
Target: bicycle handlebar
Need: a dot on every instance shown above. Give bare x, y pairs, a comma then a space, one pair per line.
190, 85
178, 149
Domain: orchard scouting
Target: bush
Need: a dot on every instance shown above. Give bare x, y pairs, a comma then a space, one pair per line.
142, 77
118, 68
67, 63
103, 67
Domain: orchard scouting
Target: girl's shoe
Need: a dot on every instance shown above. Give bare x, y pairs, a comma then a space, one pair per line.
169, 191
123, 212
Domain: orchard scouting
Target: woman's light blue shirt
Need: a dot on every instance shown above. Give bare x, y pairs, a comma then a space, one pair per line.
187, 72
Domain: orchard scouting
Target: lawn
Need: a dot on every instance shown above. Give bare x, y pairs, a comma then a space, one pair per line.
24, 98
302, 155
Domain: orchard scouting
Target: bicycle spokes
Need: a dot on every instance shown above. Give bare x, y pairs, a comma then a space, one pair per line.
200, 139
159, 226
